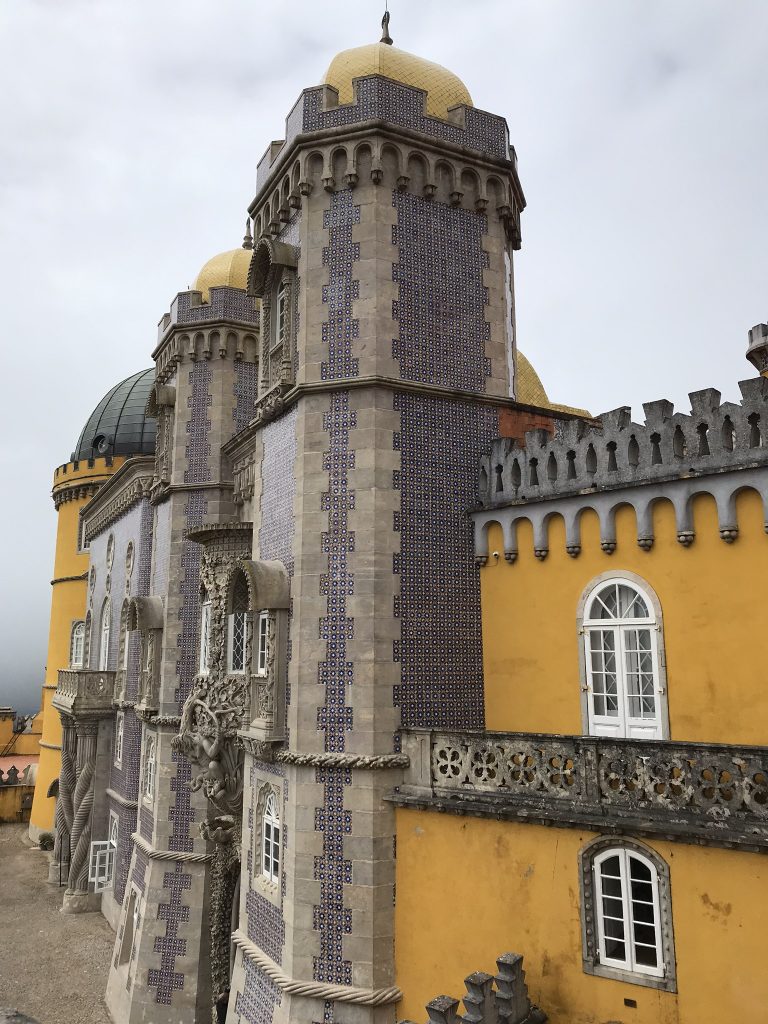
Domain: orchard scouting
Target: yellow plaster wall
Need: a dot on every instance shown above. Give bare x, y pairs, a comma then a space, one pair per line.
713, 597
469, 889
68, 603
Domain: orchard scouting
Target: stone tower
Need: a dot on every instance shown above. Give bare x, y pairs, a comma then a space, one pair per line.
384, 228
313, 584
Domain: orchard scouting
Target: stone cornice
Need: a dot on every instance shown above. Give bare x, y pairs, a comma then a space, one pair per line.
239, 441
75, 491
393, 133
126, 488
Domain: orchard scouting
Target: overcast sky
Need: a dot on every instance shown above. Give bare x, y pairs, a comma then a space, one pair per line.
131, 133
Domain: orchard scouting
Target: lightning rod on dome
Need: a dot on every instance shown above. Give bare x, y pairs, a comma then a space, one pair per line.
385, 36
248, 237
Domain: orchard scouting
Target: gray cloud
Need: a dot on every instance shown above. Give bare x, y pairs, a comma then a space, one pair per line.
128, 155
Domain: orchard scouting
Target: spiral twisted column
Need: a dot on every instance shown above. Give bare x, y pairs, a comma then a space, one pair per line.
82, 805
64, 803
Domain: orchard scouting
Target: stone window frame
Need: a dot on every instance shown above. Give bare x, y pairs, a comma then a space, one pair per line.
280, 279
589, 928
87, 639
238, 576
647, 590
105, 634
270, 890
149, 769
77, 624
131, 924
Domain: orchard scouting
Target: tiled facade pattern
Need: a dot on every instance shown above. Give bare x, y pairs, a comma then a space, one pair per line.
440, 649
443, 334
166, 979
162, 549
276, 530
340, 329
172, 909
198, 450
331, 918
246, 388
225, 304
441, 306
256, 1003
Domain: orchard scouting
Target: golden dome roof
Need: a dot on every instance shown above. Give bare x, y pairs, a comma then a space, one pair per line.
443, 88
530, 390
228, 269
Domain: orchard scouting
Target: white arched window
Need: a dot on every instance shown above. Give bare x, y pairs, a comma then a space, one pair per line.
77, 645
281, 314
628, 915
237, 626
621, 653
270, 860
205, 635
106, 616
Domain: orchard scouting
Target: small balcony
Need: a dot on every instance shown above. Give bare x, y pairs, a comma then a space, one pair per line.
694, 792
84, 692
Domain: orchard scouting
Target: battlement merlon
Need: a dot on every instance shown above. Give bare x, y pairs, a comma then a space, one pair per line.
612, 452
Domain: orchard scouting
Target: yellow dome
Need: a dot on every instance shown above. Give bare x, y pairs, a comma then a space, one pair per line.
443, 88
530, 390
228, 269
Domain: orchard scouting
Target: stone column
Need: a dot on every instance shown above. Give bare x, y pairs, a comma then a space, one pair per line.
59, 866
77, 898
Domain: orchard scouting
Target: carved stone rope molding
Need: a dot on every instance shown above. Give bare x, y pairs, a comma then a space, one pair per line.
314, 989
333, 760
153, 854
119, 799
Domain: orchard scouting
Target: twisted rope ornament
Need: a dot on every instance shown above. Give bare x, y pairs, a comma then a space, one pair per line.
314, 989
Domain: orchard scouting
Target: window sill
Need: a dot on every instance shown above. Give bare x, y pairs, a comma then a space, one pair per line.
663, 984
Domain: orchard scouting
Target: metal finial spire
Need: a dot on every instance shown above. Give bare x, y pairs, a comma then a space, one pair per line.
385, 36
248, 238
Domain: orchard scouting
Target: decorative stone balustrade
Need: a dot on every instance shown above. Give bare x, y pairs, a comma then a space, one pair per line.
696, 792
490, 1000
84, 692
719, 449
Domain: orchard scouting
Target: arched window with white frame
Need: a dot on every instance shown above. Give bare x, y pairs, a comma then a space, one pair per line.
237, 626
106, 623
270, 832
627, 913
77, 645
623, 661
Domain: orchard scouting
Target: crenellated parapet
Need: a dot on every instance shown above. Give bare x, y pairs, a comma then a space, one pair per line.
382, 99
717, 449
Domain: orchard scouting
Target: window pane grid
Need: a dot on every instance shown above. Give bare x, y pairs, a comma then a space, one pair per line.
628, 924
271, 840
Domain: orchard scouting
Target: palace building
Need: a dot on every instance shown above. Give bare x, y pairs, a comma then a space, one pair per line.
375, 675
